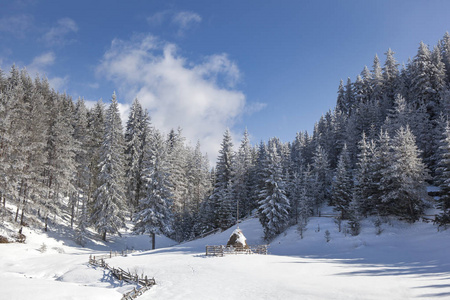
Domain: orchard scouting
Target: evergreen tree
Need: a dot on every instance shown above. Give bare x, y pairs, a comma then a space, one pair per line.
109, 207
82, 154
224, 176
403, 182
349, 95
377, 84
444, 177
134, 148
341, 103
342, 187
445, 48
380, 165
274, 206
154, 212
365, 189
390, 77
96, 133
242, 182
321, 174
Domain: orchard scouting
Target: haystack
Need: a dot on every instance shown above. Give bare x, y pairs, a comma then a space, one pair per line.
237, 240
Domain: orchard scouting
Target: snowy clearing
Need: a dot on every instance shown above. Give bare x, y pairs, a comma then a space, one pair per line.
403, 262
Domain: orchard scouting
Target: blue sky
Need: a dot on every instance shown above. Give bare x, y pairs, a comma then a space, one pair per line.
271, 66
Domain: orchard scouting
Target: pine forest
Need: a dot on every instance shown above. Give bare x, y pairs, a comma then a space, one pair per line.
375, 154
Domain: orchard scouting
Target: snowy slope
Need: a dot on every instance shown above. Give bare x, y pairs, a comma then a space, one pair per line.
406, 261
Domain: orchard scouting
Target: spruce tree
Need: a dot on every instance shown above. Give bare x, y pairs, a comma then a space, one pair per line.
403, 182
110, 204
444, 177
154, 213
321, 174
134, 148
274, 206
242, 184
224, 175
390, 77
365, 189
342, 187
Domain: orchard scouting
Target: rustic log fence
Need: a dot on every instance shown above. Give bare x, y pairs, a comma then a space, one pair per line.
220, 250
143, 282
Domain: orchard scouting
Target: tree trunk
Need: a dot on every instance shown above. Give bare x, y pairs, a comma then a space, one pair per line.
72, 215
46, 224
17, 213
104, 236
153, 241
21, 216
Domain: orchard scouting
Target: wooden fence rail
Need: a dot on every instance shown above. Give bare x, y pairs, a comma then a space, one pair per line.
220, 250
143, 282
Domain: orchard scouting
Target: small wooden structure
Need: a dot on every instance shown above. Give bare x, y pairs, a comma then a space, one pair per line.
237, 244
237, 239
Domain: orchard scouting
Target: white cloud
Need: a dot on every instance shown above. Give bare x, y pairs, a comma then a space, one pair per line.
16, 25
39, 67
57, 35
254, 107
177, 93
158, 18
43, 60
94, 85
185, 19
182, 20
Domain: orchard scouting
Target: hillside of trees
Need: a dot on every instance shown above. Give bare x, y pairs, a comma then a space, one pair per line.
375, 153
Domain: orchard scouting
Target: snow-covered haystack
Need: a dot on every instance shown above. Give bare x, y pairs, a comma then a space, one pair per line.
237, 240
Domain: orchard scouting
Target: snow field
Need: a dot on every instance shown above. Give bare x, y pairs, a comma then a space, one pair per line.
406, 261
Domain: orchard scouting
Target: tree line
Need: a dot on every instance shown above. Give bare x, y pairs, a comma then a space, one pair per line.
374, 154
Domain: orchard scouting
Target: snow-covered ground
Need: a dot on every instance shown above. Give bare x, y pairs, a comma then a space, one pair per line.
405, 261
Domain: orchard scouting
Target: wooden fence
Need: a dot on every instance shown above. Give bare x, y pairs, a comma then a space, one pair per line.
221, 250
143, 282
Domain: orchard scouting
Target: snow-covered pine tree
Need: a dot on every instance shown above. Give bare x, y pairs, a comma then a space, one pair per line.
390, 77
342, 187
96, 133
224, 177
438, 81
365, 189
445, 53
338, 132
61, 151
138, 125
422, 91
200, 186
377, 81
322, 177
444, 177
341, 104
380, 163
349, 96
242, 184
298, 153
274, 206
81, 148
177, 155
33, 147
398, 116
403, 183
154, 213
110, 204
